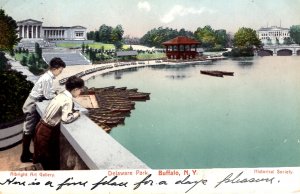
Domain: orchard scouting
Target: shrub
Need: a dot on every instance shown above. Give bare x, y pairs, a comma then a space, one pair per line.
239, 52
13, 93
3, 61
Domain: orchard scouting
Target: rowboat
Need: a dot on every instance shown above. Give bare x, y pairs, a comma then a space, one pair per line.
212, 73
227, 73
216, 73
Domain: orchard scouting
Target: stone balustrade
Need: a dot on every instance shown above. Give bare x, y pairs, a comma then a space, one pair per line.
84, 145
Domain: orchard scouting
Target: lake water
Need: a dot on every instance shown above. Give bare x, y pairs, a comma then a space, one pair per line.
197, 121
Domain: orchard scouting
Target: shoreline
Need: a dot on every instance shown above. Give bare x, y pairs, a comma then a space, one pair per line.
87, 72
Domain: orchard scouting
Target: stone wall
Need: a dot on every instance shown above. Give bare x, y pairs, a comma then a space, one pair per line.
84, 145
69, 159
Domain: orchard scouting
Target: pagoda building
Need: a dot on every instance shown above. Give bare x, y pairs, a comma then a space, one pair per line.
181, 47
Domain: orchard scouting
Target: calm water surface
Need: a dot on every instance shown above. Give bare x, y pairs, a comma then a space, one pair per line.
198, 121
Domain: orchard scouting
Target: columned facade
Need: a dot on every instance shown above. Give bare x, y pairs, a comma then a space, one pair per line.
64, 33
29, 29
53, 33
273, 35
32, 29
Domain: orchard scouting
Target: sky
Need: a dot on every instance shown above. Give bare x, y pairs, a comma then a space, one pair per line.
139, 16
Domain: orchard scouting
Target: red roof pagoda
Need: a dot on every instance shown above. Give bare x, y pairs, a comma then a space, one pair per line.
181, 47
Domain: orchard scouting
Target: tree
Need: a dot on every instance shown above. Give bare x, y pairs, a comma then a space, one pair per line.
105, 33
244, 40
82, 47
97, 36
14, 96
38, 51
287, 41
206, 36
117, 36
90, 35
24, 61
32, 60
87, 48
155, 37
295, 33
183, 32
33, 65
3, 61
91, 55
221, 37
8, 32
118, 45
246, 37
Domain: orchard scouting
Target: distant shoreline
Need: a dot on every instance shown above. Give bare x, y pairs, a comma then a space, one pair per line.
89, 71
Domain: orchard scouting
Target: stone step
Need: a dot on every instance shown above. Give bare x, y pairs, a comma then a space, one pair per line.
11, 136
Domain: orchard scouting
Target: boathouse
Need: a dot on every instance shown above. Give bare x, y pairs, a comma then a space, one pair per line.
181, 47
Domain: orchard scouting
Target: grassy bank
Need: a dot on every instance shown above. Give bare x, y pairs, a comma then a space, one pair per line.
95, 45
148, 56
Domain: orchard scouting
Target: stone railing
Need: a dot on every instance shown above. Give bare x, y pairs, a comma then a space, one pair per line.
84, 145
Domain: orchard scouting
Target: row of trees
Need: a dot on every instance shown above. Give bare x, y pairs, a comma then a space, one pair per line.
108, 34
212, 39
156, 36
97, 55
34, 60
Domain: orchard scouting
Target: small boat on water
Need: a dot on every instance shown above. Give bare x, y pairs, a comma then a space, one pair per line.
228, 73
211, 73
216, 73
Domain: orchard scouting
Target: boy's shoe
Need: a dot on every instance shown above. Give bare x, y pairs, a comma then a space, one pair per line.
26, 157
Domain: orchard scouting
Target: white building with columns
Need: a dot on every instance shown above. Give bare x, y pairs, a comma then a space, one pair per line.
32, 29
270, 35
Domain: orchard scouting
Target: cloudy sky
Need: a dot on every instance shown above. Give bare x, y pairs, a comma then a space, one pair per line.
139, 16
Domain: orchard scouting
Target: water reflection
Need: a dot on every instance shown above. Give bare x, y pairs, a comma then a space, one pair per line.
118, 73
243, 59
179, 67
177, 77
245, 64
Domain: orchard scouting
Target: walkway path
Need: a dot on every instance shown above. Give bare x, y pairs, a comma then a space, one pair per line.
17, 66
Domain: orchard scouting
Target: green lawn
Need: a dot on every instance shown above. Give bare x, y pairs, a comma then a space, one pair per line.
141, 56
147, 56
95, 45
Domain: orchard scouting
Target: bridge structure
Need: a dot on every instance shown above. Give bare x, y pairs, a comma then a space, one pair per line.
280, 50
